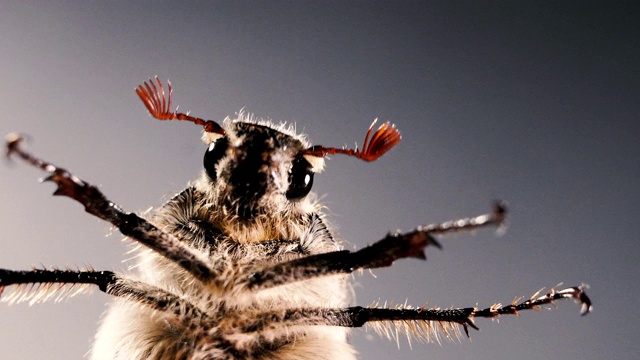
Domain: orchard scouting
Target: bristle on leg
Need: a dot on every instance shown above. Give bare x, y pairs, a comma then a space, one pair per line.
432, 325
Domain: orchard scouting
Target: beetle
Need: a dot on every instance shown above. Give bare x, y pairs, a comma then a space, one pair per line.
242, 264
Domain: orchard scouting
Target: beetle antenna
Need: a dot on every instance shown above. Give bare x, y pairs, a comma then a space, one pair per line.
159, 106
374, 146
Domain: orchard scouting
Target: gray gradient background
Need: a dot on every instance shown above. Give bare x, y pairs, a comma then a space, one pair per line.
534, 104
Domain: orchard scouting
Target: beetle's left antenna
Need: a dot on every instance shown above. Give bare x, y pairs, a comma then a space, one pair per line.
159, 105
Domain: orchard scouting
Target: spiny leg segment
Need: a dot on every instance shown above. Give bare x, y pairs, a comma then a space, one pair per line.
41, 284
129, 224
464, 316
380, 254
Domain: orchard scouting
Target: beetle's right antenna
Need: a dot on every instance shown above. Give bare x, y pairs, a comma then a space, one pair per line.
374, 146
159, 106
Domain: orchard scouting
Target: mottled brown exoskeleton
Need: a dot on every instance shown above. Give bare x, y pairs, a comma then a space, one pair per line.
241, 264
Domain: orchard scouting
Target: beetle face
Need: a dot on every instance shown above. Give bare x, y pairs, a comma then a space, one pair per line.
257, 168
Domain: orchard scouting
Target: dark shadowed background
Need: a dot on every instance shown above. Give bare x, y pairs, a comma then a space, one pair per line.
536, 104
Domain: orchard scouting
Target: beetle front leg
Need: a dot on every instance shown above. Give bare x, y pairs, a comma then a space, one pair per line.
129, 224
380, 254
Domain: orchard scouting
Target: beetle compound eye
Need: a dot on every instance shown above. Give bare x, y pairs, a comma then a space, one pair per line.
300, 179
212, 157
